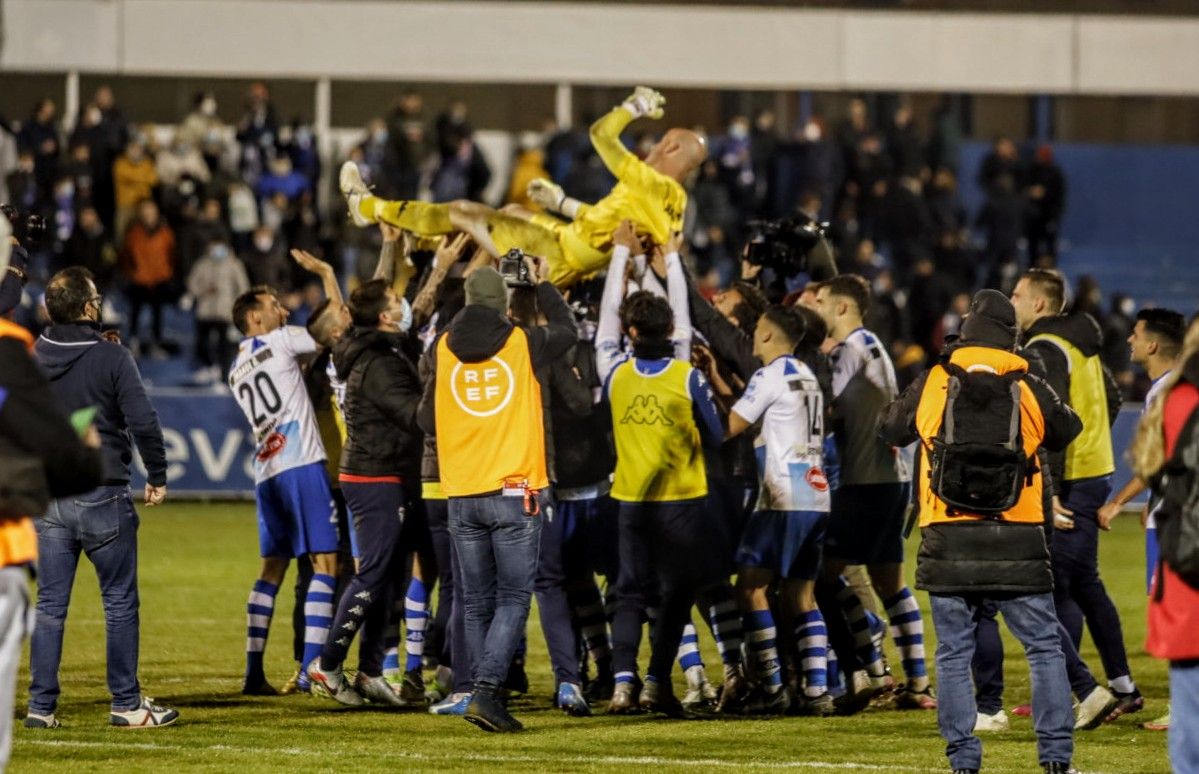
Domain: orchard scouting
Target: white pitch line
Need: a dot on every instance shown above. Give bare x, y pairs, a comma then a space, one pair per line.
612, 760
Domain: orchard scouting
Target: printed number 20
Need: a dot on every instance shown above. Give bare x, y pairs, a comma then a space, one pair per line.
265, 392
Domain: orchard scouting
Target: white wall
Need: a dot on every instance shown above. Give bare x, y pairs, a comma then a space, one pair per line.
720, 46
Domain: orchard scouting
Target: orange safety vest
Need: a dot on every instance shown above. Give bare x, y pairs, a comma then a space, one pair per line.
489, 421
18, 538
929, 414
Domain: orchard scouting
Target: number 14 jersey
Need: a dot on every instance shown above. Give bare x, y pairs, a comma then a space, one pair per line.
267, 382
789, 448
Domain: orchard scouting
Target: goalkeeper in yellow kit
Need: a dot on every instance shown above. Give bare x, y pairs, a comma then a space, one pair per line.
649, 193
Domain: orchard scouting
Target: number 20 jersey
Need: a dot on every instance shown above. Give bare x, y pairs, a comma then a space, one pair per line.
267, 382
790, 447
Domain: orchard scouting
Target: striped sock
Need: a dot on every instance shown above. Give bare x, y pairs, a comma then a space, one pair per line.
588, 610
318, 617
259, 609
391, 639
811, 636
907, 629
859, 625
725, 619
761, 638
416, 618
689, 649
878, 629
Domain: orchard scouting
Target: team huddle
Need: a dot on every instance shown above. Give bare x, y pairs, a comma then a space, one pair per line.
551, 407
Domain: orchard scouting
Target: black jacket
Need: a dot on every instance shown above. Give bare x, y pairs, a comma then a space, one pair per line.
32, 422
988, 556
478, 332
86, 370
1050, 363
382, 395
581, 428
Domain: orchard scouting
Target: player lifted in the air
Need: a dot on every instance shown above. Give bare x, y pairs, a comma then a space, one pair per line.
649, 193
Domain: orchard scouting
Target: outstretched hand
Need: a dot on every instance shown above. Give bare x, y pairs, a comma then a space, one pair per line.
450, 251
545, 194
309, 262
644, 102
626, 236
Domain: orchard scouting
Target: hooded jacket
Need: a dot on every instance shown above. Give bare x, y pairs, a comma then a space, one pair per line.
382, 396
84, 369
966, 553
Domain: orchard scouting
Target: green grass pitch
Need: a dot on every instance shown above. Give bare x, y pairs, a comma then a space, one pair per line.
199, 560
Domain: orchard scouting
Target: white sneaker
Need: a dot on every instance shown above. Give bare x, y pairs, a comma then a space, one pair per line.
147, 715
33, 720
1095, 708
333, 685
991, 723
699, 690
349, 180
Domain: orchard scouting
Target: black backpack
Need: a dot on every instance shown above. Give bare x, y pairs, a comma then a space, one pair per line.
977, 464
1177, 516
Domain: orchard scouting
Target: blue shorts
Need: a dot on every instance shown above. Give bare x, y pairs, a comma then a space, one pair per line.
1152, 552
866, 523
296, 513
787, 543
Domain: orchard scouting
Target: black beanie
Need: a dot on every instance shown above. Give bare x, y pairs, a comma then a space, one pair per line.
991, 320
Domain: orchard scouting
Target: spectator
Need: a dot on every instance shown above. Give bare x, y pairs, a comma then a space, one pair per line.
104, 130
198, 233
1047, 199
298, 143
182, 173
461, 174
1002, 161
243, 214
134, 176
22, 183
90, 247
266, 260
904, 145
216, 280
40, 136
282, 178
148, 264
257, 133
203, 129
529, 166
406, 148
1002, 221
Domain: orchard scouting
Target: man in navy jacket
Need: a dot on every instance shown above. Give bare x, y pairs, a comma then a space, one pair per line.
86, 370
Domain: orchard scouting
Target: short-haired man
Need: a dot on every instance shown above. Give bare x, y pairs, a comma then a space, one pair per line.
483, 404
296, 512
784, 536
382, 450
866, 522
968, 560
88, 371
1154, 344
1064, 350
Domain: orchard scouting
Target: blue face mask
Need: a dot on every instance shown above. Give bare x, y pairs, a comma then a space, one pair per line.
219, 252
406, 317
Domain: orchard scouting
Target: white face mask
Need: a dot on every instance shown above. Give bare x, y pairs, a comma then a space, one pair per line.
263, 243
208, 107
406, 317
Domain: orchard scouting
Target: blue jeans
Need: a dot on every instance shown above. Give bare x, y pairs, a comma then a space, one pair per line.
1033, 621
1184, 717
103, 525
497, 547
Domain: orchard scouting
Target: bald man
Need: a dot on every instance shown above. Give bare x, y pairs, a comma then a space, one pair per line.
649, 193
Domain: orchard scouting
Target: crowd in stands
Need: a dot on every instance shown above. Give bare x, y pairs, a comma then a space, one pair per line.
145, 207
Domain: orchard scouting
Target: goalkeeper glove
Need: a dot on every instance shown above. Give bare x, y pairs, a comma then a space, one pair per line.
546, 194
644, 102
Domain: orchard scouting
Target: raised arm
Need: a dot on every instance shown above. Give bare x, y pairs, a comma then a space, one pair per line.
607, 330
605, 135
448, 253
676, 294
309, 262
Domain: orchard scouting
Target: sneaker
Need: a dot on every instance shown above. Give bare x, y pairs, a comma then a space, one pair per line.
34, 720
147, 715
454, 704
376, 690
412, 688
821, 706
349, 180
991, 723
600, 689
732, 694
1094, 709
333, 685
906, 698
661, 699
1058, 768
854, 701
293, 684
1127, 703
762, 702
571, 701
624, 699
699, 691
258, 689
488, 713
1022, 711
442, 686
1158, 724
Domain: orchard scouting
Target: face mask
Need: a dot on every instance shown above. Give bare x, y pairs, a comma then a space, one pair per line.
738, 131
406, 316
811, 132
208, 107
219, 252
263, 243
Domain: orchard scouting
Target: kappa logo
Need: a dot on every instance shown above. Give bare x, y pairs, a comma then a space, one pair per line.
357, 610
482, 389
349, 626
365, 596
343, 641
645, 410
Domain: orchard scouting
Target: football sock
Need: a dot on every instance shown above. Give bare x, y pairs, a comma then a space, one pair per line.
416, 618
588, 610
836, 687
318, 617
907, 629
391, 639
259, 609
689, 649
725, 620
761, 638
1122, 684
421, 218
812, 639
859, 626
